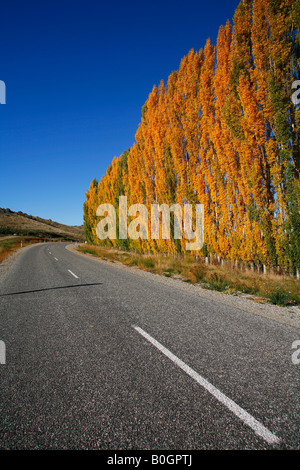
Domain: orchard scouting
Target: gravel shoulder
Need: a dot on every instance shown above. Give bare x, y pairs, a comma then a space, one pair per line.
8, 263
289, 315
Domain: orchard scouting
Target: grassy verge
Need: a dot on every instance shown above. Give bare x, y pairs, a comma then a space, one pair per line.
9, 245
276, 289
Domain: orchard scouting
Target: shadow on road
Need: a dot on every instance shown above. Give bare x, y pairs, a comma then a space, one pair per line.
52, 288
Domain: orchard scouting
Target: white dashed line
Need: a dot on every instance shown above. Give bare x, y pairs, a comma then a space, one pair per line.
72, 273
243, 415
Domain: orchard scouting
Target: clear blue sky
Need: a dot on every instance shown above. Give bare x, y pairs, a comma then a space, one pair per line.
77, 74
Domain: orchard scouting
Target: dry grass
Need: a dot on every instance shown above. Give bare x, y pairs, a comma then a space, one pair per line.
277, 289
9, 245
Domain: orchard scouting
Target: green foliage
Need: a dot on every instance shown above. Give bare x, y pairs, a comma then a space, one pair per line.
148, 263
232, 116
279, 297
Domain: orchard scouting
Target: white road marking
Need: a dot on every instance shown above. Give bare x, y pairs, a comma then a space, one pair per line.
2, 353
257, 427
72, 273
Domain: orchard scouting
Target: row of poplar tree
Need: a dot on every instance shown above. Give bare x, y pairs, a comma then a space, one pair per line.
224, 132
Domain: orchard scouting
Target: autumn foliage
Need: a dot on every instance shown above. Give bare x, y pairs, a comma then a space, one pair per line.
223, 131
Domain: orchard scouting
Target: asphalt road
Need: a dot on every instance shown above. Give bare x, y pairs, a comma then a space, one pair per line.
101, 358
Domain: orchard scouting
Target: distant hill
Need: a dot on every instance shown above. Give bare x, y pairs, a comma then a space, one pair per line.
19, 223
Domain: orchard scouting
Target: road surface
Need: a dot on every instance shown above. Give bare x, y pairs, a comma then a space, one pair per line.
101, 358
